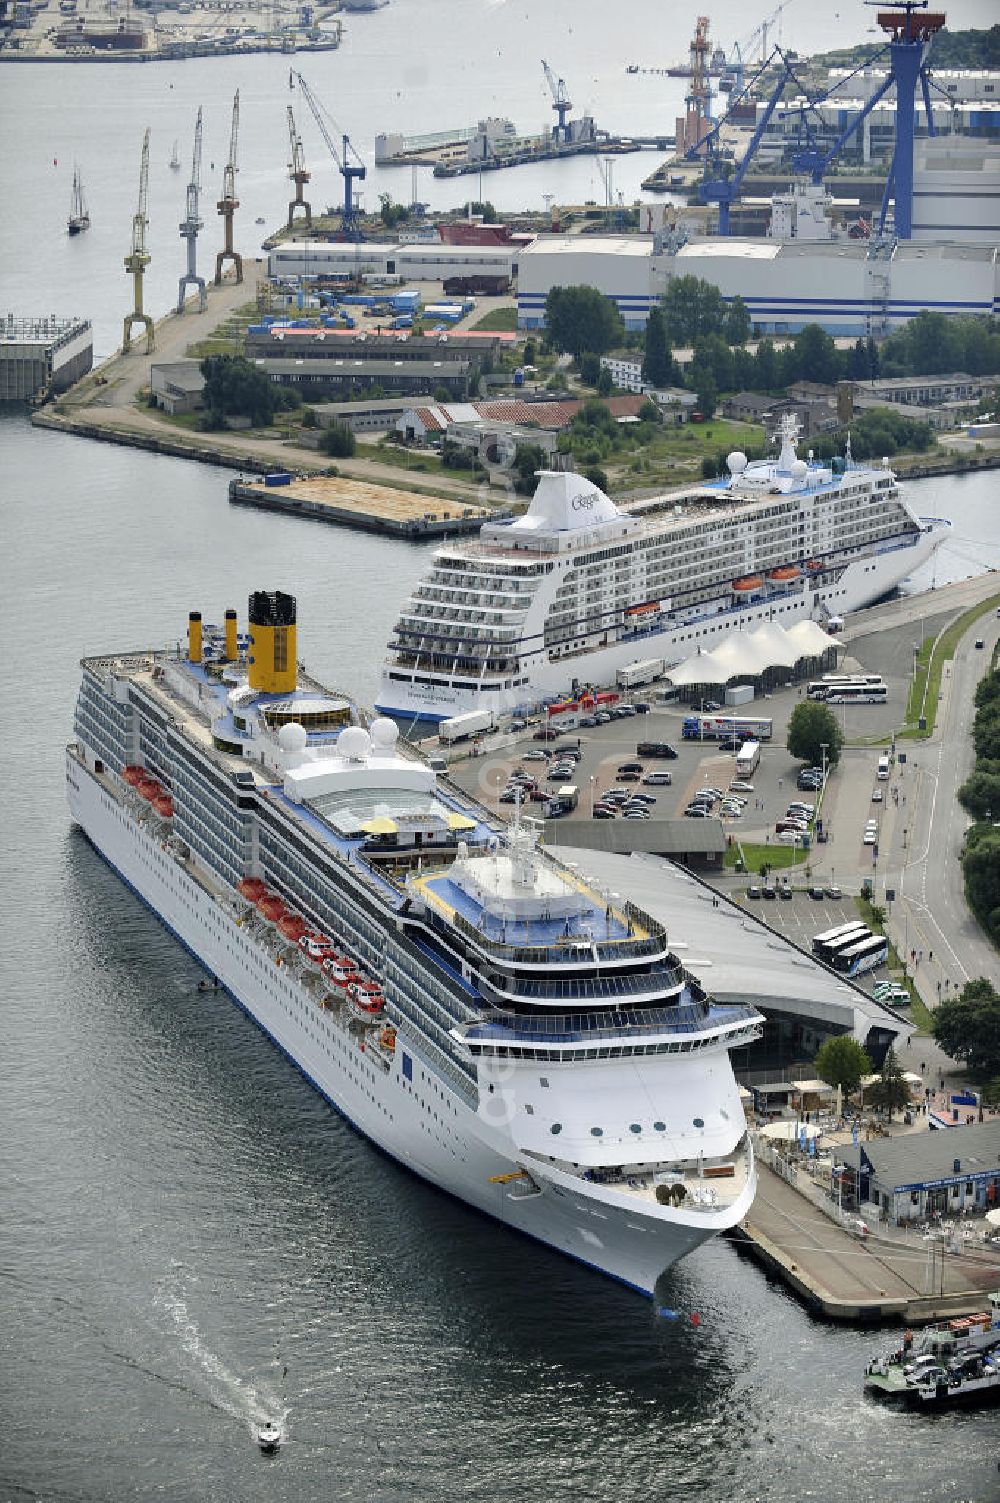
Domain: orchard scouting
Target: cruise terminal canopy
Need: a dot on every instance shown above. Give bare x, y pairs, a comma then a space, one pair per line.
750, 654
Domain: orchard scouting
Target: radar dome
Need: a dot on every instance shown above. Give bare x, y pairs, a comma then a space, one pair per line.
384, 734
292, 738
737, 462
799, 469
354, 744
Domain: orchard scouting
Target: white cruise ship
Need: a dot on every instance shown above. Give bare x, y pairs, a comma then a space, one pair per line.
576, 588
487, 1016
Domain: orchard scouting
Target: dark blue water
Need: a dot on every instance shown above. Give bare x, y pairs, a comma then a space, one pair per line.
192, 1240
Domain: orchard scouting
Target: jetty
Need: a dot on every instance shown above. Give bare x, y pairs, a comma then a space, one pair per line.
358, 503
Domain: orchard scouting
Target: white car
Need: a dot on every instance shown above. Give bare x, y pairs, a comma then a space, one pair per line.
739, 786
870, 837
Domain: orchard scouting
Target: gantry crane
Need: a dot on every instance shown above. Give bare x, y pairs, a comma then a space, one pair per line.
189, 227
138, 258
229, 203
561, 103
349, 170
298, 174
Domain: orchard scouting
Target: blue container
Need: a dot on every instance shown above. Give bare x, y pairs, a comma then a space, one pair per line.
278, 477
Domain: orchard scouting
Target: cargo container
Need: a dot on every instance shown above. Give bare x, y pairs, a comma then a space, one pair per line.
740, 694
278, 477
473, 723
569, 795
643, 672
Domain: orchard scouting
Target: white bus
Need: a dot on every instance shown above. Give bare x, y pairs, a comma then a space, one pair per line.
857, 693
823, 688
867, 955
824, 945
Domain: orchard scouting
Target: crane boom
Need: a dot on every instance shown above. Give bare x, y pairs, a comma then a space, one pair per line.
138, 257
139, 219
297, 172
348, 169
561, 103
229, 203
189, 227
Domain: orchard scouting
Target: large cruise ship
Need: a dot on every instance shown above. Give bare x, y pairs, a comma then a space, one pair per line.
489, 1017
576, 588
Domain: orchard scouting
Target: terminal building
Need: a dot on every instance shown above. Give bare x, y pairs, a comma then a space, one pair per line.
918, 1175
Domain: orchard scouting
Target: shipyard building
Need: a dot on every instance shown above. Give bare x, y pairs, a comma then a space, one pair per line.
40, 357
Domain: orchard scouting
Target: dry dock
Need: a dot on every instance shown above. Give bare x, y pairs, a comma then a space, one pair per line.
358, 503
859, 1282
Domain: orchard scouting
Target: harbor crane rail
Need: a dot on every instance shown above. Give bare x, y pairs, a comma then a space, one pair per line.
229, 203
350, 171
189, 227
298, 174
139, 258
561, 103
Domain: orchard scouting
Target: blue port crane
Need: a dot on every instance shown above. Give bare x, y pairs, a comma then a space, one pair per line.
350, 166
908, 48
723, 190
561, 103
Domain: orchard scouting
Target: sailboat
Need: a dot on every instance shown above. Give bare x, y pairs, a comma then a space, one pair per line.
175, 160
79, 219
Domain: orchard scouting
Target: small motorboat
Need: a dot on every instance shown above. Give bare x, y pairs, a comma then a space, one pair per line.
268, 1438
208, 986
260, 219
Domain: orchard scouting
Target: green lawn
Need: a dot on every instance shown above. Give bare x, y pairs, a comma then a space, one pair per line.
498, 321
926, 686
776, 856
676, 452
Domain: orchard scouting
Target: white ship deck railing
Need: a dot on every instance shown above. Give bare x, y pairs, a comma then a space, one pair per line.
573, 950
652, 983
590, 1027
708, 1185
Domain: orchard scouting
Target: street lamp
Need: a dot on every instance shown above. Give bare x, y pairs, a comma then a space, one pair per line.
823, 748
593, 780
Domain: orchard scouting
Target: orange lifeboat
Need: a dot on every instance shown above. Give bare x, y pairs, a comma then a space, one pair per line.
340, 969
315, 946
134, 775
164, 805
814, 565
365, 1000
148, 789
252, 888
784, 574
292, 926
272, 907
748, 584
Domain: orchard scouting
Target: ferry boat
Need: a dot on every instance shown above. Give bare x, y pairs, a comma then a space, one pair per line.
577, 587
499, 1024
934, 1349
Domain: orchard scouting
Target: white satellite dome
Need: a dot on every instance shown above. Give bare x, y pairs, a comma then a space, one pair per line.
292, 738
354, 744
737, 462
799, 469
384, 734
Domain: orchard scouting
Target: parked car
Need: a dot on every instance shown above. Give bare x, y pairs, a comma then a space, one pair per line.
624, 711
656, 749
833, 891
658, 779
870, 837
545, 733
630, 776
602, 717
818, 893
768, 892
739, 786
877, 796
712, 705
587, 720
604, 811
697, 811
641, 707
784, 891
630, 767
642, 798
518, 725
753, 891
535, 754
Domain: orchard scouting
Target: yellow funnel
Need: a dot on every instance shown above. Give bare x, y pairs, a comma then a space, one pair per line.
232, 651
272, 653
194, 636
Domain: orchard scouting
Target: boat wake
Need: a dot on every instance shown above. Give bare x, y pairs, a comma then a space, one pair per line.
254, 1404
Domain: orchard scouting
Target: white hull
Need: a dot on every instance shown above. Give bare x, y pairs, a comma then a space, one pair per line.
861, 583
422, 1123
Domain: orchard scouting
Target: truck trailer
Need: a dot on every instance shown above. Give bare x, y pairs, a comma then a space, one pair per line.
472, 723
643, 672
718, 727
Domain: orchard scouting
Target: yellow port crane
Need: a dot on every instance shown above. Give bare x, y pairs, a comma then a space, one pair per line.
139, 258
229, 203
298, 174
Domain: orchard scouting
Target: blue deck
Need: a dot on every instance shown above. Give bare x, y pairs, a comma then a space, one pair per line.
594, 926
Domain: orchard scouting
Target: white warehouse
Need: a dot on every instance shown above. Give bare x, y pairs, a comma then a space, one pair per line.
849, 287
420, 261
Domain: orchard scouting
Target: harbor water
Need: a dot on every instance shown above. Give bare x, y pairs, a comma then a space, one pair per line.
192, 1241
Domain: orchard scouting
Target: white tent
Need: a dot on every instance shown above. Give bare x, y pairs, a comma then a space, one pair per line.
810, 640
775, 646
787, 1131
700, 668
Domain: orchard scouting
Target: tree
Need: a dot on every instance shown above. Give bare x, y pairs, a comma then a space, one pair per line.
766, 361
817, 356
968, 1027
692, 307
338, 440
841, 1061
657, 360
707, 391
597, 477
981, 871
811, 726
604, 382
527, 459
890, 1090
579, 319
737, 325
236, 388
